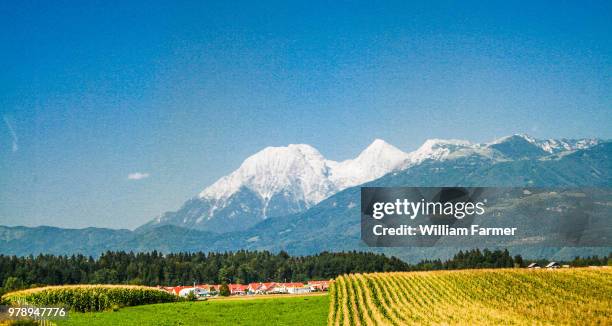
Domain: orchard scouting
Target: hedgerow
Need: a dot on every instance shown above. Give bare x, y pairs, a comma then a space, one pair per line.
84, 298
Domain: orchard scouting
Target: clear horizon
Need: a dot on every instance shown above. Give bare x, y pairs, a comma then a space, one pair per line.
115, 113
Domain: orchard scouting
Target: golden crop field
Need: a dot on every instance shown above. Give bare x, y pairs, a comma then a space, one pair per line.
574, 296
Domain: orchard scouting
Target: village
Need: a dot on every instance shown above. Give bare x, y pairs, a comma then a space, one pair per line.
204, 291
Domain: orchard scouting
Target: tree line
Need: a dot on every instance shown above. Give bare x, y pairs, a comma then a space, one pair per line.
155, 268
501, 259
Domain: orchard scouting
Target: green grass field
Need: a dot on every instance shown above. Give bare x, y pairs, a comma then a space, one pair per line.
306, 310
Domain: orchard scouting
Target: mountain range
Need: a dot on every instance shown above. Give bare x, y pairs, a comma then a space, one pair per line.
292, 198
279, 181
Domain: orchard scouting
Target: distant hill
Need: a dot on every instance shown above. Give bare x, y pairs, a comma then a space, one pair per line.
21, 240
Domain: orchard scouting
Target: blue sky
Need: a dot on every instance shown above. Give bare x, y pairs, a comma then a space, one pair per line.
93, 91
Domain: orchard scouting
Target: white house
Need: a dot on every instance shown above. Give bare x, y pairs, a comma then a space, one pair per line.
298, 290
199, 292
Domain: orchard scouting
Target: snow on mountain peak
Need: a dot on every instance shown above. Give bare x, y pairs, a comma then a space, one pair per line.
505, 139
302, 173
379, 144
298, 169
381, 152
551, 146
437, 149
378, 159
554, 146
278, 181
435, 143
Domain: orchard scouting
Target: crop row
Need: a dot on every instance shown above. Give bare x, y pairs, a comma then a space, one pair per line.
506, 296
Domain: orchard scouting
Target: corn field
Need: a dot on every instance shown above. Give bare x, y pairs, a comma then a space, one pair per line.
89, 297
572, 296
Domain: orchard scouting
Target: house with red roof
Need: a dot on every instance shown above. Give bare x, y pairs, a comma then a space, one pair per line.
319, 285
169, 289
177, 289
255, 288
238, 289
205, 290
260, 288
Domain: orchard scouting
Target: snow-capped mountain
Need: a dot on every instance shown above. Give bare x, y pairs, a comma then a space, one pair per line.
552, 146
299, 171
302, 175
279, 181
521, 146
561, 145
448, 149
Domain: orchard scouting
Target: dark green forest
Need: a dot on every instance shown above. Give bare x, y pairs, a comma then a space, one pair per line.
155, 268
